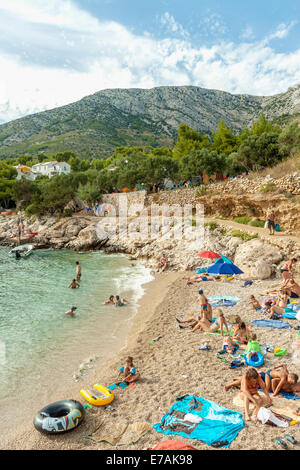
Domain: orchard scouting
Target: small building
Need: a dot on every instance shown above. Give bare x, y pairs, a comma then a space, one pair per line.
51, 168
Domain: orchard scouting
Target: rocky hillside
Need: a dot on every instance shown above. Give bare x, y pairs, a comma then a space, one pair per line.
97, 124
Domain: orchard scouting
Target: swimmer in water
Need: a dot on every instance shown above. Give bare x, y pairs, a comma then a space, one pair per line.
74, 284
71, 311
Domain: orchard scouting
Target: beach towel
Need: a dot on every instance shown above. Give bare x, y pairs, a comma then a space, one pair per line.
271, 324
231, 298
289, 396
121, 385
172, 445
217, 423
224, 303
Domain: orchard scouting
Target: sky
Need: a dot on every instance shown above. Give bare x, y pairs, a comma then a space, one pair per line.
56, 52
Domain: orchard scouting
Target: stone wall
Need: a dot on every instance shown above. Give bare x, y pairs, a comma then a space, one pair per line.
131, 199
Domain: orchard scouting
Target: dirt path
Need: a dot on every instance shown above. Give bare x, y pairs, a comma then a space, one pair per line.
262, 232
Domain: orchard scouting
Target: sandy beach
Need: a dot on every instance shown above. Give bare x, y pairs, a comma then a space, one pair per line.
169, 368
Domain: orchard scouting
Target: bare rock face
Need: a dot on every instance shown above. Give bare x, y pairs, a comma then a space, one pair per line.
258, 260
159, 111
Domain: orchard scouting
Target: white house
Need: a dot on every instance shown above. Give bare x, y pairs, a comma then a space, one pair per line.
51, 168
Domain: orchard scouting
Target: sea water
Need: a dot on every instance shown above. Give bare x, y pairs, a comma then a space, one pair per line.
40, 346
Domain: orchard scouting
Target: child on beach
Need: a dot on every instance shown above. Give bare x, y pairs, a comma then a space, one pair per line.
254, 302
128, 373
241, 335
203, 301
229, 345
249, 384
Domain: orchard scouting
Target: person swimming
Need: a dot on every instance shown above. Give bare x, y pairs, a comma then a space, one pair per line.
74, 284
111, 300
71, 311
120, 302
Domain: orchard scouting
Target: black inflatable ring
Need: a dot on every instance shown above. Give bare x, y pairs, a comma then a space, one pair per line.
59, 417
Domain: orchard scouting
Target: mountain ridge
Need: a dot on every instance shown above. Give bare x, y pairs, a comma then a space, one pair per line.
95, 125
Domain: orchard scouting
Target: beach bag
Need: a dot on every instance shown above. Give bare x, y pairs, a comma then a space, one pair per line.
266, 224
277, 227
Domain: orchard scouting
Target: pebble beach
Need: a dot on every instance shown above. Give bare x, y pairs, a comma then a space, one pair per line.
170, 367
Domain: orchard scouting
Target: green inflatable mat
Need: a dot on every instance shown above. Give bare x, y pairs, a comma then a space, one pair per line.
252, 346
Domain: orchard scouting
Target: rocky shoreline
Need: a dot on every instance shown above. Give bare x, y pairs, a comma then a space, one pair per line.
258, 258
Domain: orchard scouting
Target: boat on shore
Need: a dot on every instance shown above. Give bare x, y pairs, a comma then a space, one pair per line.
23, 250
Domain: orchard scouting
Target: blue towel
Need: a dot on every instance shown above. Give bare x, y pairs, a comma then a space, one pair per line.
225, 303
121, 385
289, 395
216, 423
272, 324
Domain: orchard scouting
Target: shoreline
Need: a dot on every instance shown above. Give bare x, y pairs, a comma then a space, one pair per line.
170, 368
136, 324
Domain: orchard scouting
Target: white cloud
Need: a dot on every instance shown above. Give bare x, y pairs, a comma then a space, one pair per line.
281, 32
172, 25
53, 53
247, 33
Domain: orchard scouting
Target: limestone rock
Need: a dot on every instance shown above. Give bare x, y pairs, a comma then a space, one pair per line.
257, 259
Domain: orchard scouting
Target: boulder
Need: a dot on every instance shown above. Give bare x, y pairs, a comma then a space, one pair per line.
258, 260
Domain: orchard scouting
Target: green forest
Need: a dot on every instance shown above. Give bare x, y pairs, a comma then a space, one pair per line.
263, 145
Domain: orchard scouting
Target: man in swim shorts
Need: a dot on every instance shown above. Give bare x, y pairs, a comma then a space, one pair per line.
271, 222
78, 271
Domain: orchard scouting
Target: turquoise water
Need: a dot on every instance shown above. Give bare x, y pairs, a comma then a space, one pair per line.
40, 346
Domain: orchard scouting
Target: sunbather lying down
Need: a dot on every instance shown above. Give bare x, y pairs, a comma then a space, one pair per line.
203, 277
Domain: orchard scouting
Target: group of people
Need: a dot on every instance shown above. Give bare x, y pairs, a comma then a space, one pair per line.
74, 284
273, 381
118, 301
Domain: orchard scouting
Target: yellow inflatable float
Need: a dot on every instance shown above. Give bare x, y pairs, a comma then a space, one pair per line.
98, 396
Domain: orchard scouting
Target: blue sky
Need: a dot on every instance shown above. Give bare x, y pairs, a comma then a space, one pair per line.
55, 52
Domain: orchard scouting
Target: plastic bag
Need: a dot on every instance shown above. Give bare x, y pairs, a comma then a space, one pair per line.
266, 416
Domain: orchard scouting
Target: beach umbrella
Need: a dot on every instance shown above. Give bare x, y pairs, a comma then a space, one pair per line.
226, 260
220, 267
208, 254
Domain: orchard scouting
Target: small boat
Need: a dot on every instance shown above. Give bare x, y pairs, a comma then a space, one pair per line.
23, 250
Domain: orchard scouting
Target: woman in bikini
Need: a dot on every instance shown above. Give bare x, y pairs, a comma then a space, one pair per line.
241, 335
250, 383
219, 323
